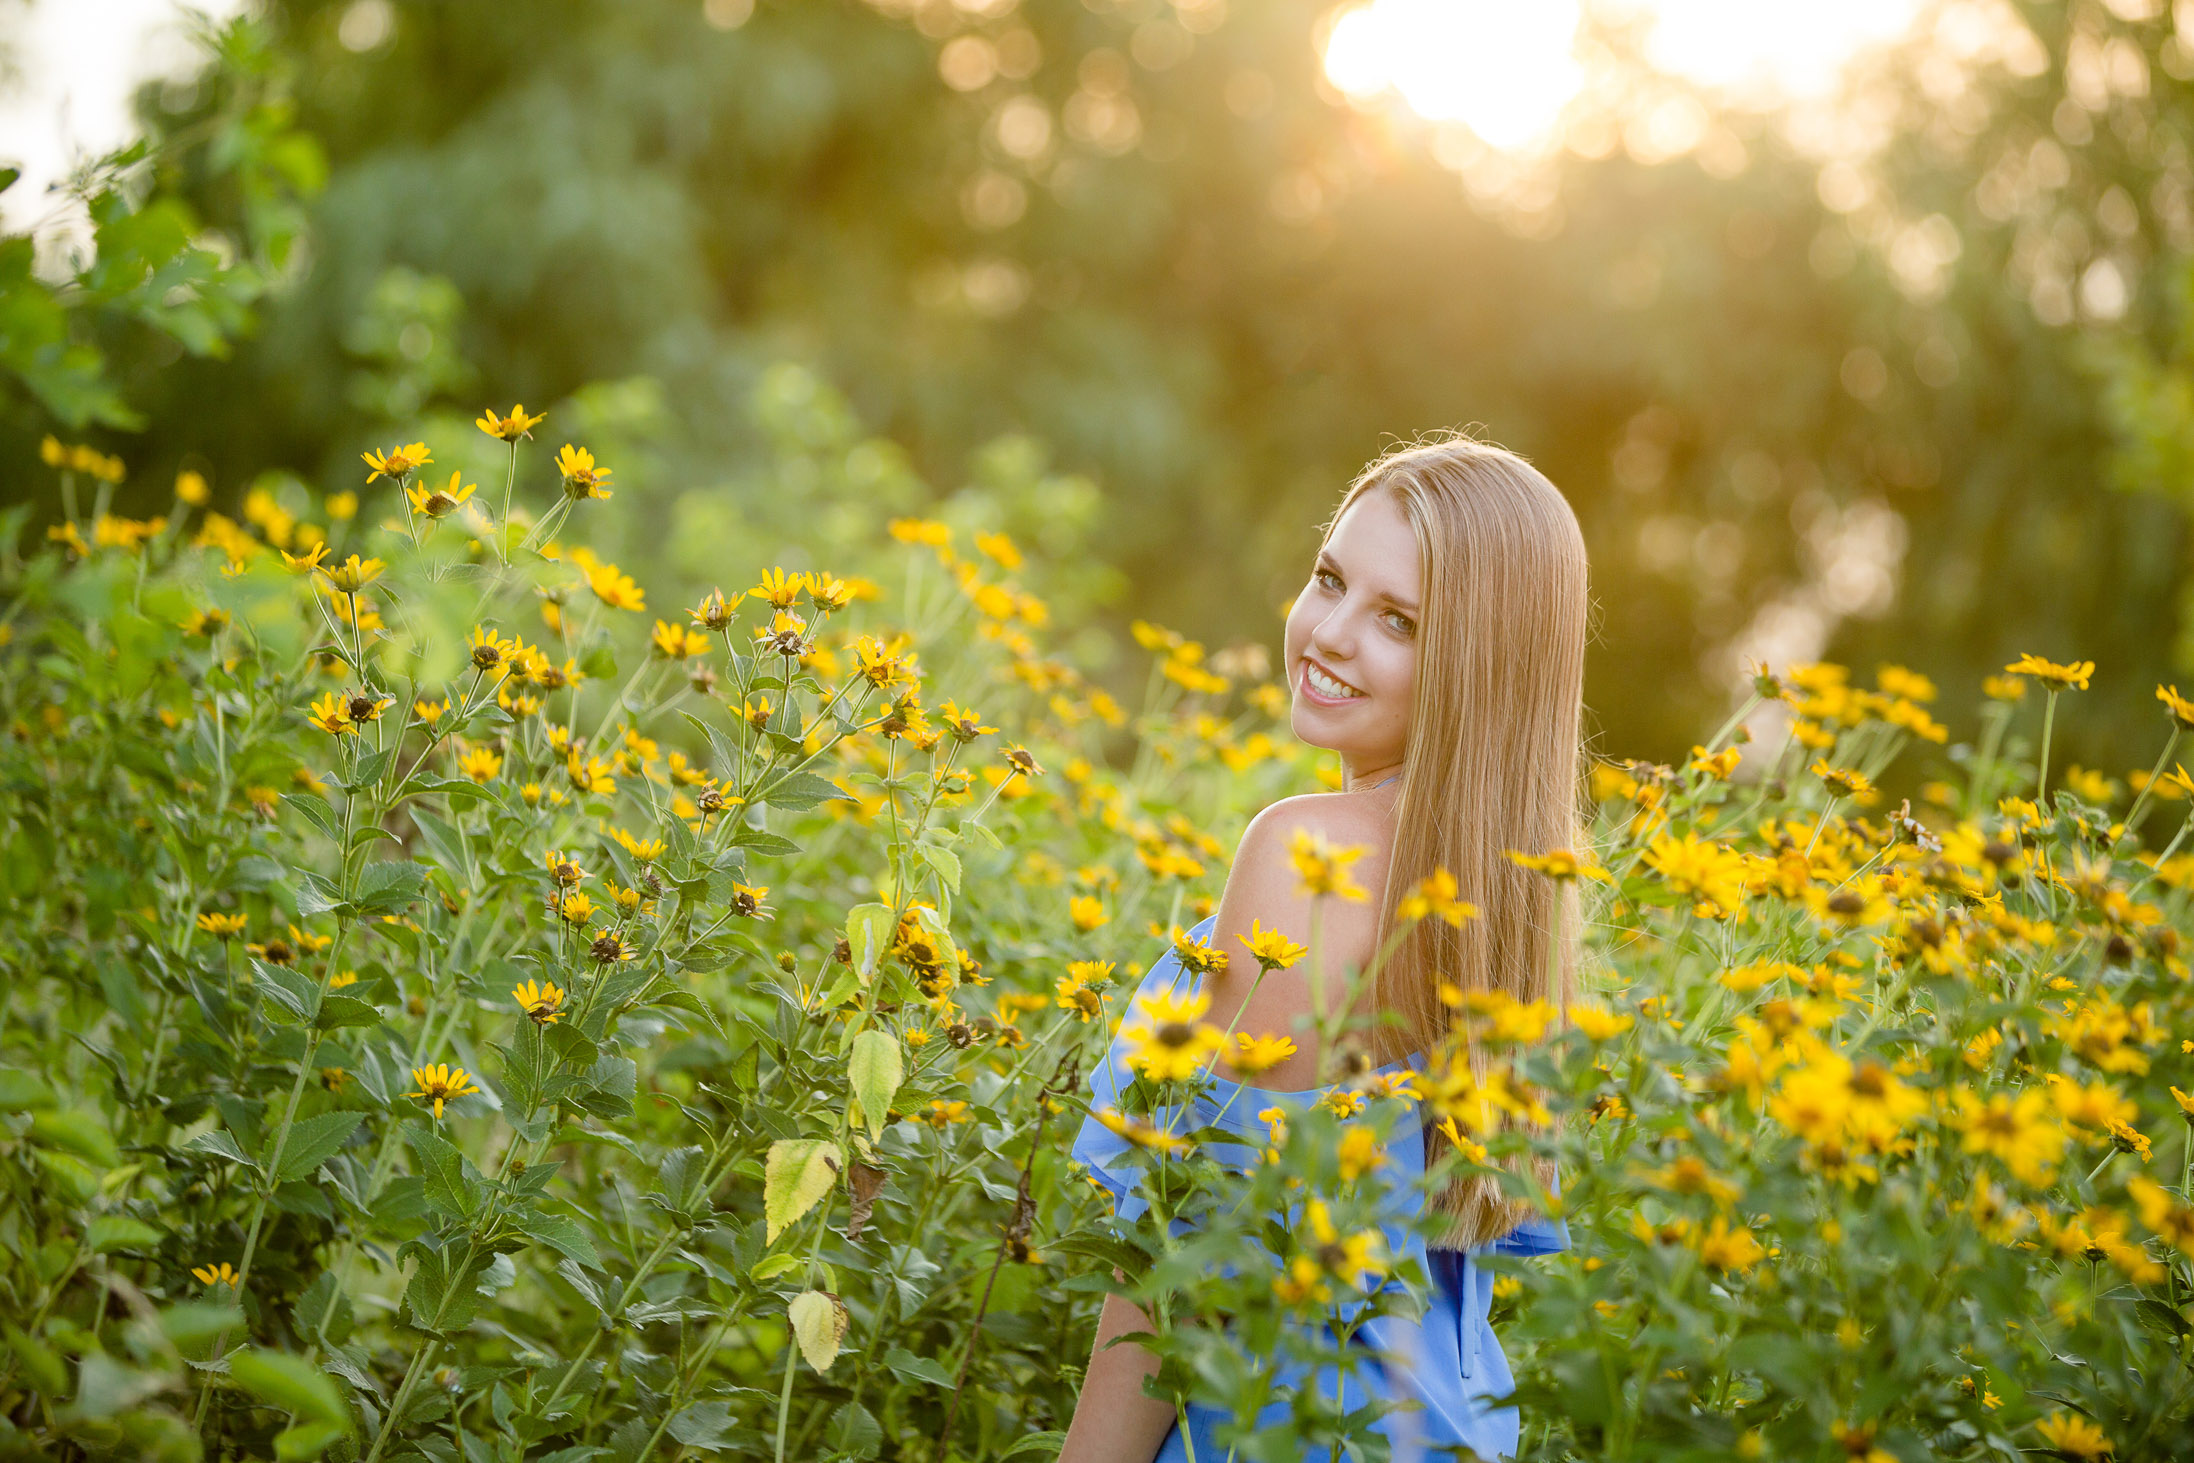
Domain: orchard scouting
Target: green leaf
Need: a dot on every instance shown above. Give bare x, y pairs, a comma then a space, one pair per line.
527, 1065
875, 1070
22, 1091
111, 1232
980, 833
384, 888
917, 1368
702, 1424
220, 1145
293, 1385
79, 1131
452, 1185
868, 933
944, 861
799, 1172
442, 1295
312, 1141
315, 810
289, 992
800, 790
306, 1440
558, 1231
315, 895
338, 1010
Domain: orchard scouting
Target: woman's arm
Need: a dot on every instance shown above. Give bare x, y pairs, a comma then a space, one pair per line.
1114, 1422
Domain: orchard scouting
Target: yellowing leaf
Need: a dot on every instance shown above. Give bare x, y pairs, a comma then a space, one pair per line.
819, 1321
868, 933
876, 1068
799, 1171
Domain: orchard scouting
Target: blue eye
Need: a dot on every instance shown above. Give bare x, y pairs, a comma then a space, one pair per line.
1402, 623
1321, 575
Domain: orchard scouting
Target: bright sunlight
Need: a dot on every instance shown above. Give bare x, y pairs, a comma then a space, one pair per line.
1506, 71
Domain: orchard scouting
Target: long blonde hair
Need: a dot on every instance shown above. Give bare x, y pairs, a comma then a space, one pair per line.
1494, 760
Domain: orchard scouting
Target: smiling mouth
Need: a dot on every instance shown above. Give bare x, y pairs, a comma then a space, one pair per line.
1324, 684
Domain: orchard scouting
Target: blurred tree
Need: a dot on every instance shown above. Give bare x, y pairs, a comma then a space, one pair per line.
1148, 233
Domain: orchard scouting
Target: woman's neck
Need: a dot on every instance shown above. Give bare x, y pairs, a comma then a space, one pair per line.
1358, 778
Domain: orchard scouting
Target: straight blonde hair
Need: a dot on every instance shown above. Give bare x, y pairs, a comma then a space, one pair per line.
1494, 760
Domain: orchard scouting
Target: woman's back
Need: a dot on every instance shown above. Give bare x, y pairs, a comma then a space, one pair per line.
1264, 892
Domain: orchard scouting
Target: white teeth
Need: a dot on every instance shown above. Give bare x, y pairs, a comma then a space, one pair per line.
1324, 684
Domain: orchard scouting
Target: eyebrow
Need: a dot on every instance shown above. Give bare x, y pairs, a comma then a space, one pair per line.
1326, 560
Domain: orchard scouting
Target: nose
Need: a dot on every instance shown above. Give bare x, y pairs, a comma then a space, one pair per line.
1330, 638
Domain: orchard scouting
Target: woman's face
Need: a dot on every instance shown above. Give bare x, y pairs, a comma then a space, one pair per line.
1356, 622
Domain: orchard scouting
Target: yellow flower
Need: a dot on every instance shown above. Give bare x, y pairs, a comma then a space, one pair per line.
575, 908
1254, 1054
1435, 896
2016, 1130
308, 561
711, 613
1087, 911
1166, 1041
582, 479
2075, 1437
746, 899
1728, 1249
1140, 1133
647, 850
677, 642
221, 1274
1271, 949
1844, 782
920, 531
1597, 1022
943, 1113
2165, 1215
1323, 867
430, 713
439, 502
589, 775
191, 488
353, 574
541, 1000
222, 926
1021, 760
397, 462
1711, 872
2072, 677
828, 593
1559, 864
439, 1084
1690, 1175
509, 428
1359, 1152
965, 725
481, 764
331, 715
779, 589
363, 706
616, 590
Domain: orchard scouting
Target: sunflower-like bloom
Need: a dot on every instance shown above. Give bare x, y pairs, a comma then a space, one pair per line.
541, 1000
827, 592
711, 613
779, 589
490, 652
2072, 677
1140, 1133
1167, 1042
353, 574
439, 502
582, 479
1323, 867
440, 1083
575, 908
965, 725
1844, 782
677, 642
1559, 864
1331, 1256
397, 462
221, 1274
1254, 1054
615, 589
1271, 949
331, 714
509, 428
229, 926
481, 764
1022, 760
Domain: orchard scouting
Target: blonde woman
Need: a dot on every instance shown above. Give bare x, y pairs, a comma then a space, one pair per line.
1438, 647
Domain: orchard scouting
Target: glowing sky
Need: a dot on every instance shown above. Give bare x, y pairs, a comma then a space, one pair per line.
1506, 68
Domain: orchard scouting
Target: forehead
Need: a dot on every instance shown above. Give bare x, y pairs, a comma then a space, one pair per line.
1374, 542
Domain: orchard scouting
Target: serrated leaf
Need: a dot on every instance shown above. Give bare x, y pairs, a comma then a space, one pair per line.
338, 1010
111, 1232
292, 1385
315, 810
874, 1071
944, 861
312, 1141
558, 1231
917, 1368
868, 933
819, 1322
799, 1172
220, 1145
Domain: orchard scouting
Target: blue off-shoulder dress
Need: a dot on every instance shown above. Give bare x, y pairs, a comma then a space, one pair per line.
1450, 1361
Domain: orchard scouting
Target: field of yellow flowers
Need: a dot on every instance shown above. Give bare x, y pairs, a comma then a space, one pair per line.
463, 1007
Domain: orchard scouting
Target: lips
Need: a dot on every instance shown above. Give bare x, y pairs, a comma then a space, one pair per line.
1319, 697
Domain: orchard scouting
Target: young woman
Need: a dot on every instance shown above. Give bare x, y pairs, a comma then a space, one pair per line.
1438, 647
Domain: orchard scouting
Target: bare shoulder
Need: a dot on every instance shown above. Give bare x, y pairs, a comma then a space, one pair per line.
1264, 893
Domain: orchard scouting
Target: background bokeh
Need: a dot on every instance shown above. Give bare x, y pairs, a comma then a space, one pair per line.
1894, 369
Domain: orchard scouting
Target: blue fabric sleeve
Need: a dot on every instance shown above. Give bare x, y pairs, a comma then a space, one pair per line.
1537, 1235
1104, 1152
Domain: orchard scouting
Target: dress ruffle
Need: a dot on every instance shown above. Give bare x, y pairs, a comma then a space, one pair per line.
1448, 1360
